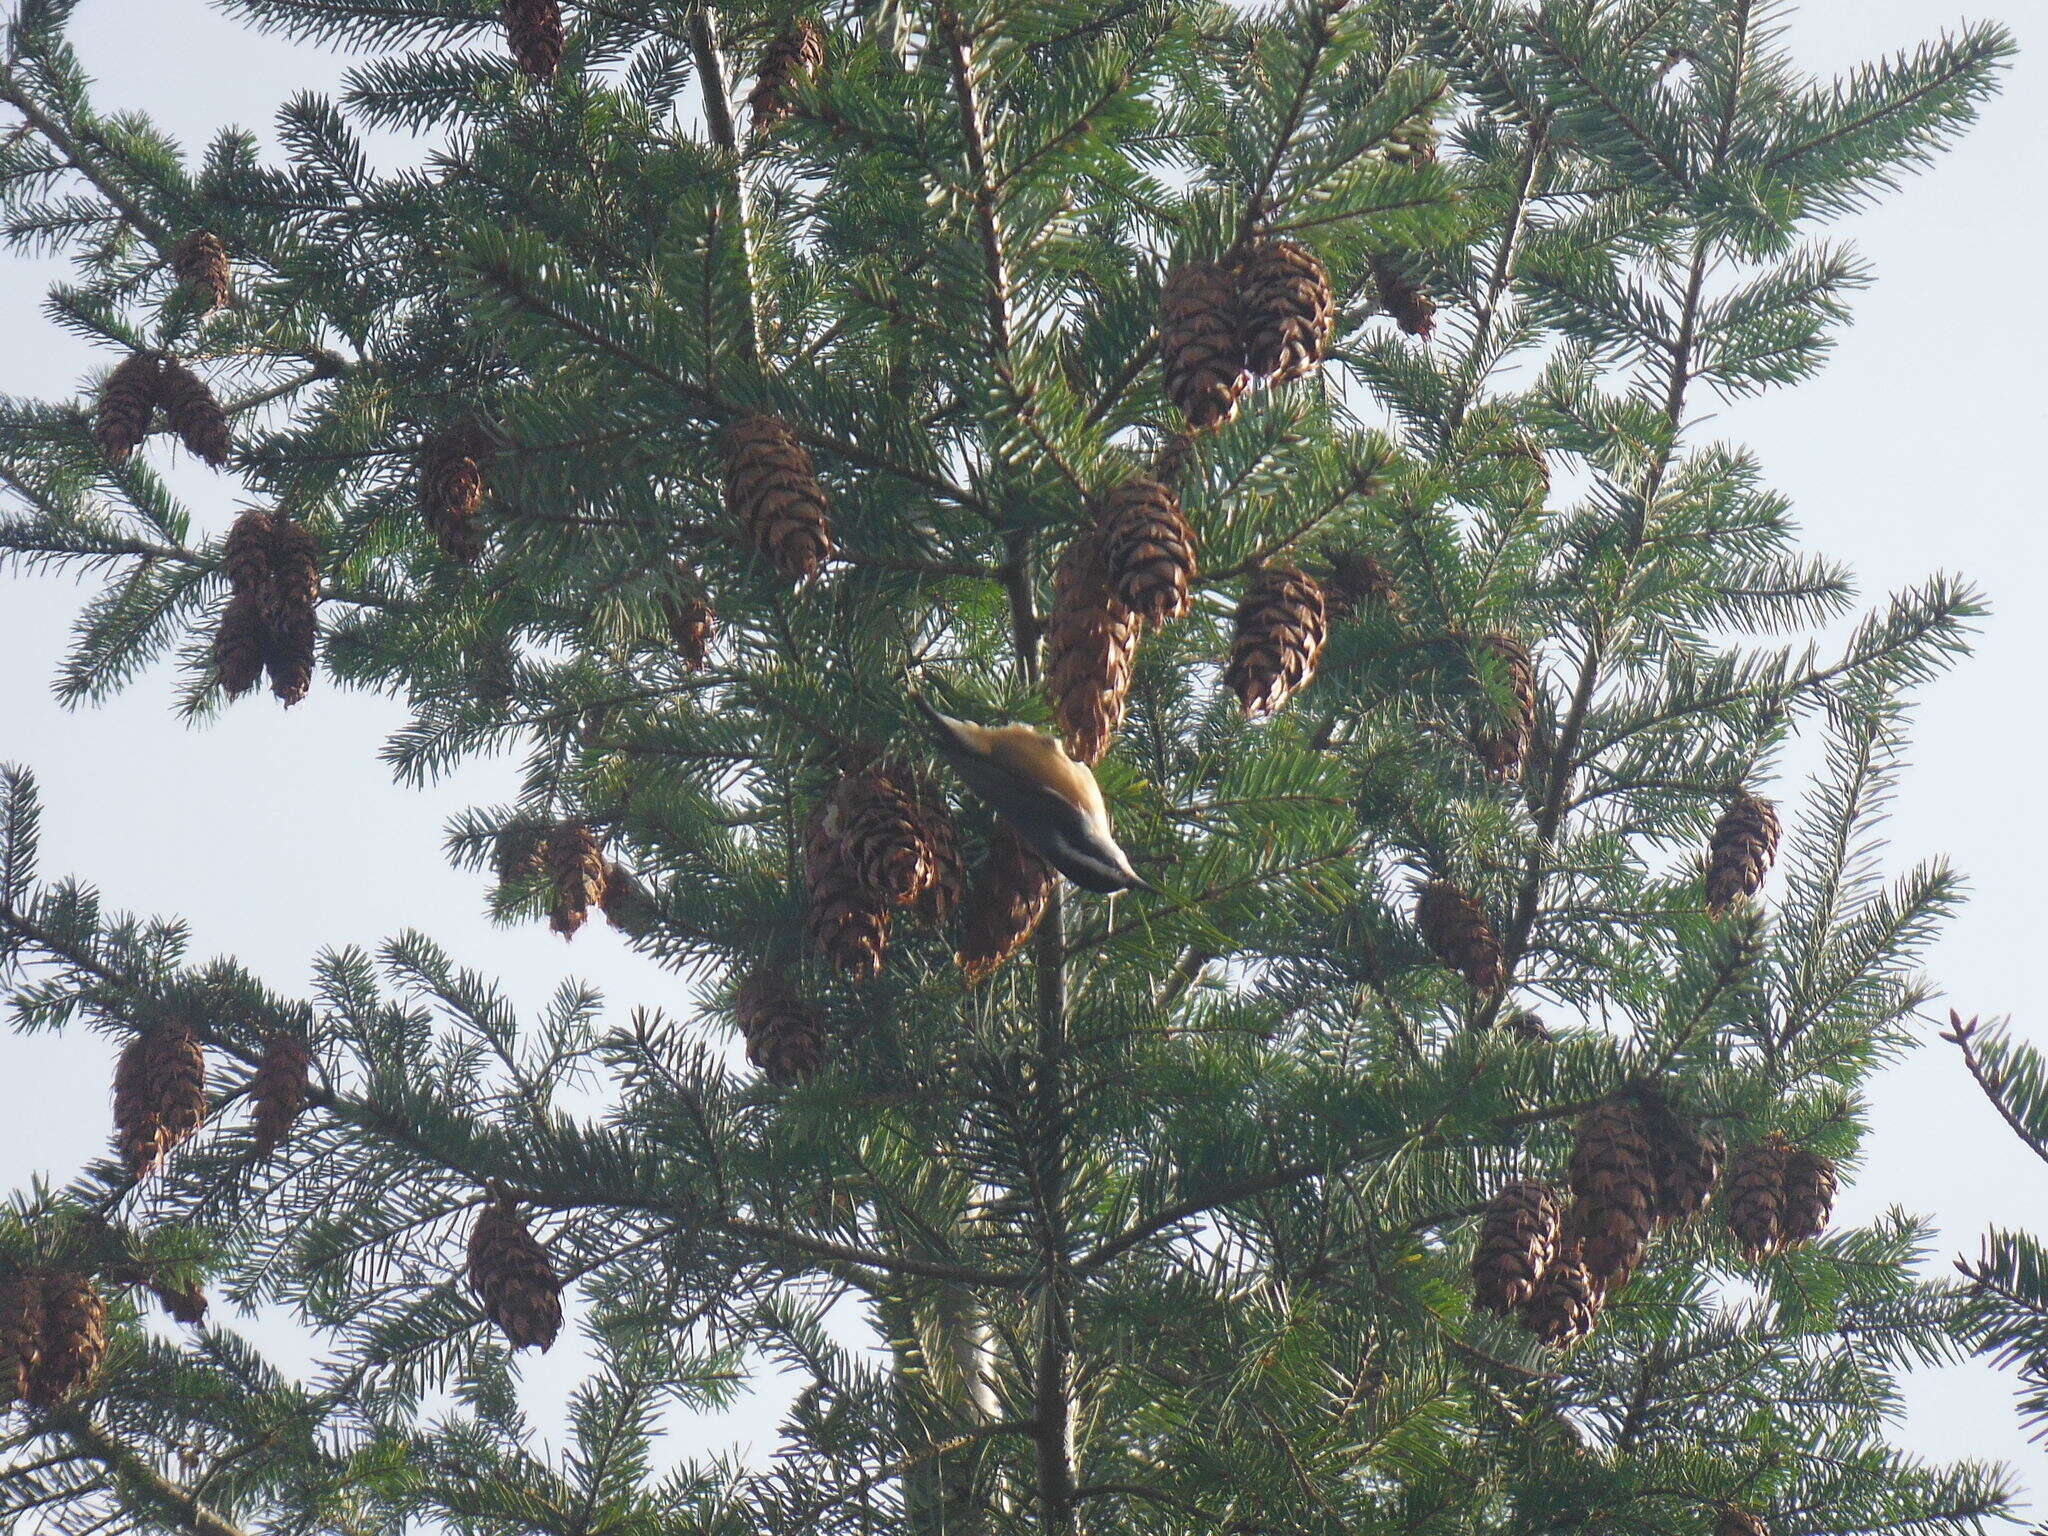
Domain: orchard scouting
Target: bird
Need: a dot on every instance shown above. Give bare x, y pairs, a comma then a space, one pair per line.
1047, 798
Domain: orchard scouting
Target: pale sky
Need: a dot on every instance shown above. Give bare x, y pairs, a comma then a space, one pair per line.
1921, 448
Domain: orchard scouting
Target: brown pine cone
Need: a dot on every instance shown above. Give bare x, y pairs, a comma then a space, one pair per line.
518, 853
1685, 1157
73, 1340
182, 1303
1739, 854
1282, 624
1286, 310
1566, 1303
1500, 735
785, 1037
1614, 1190
1412, 309
534, 30
1012, 888
452, 489
773, 493
1518, 1236
941, 900
692, 624
1149, 548
626, 904
1091, 642
193, 413
797, 53
1753, 1198
127, 402
245, 553
239, 643
1739, 1522
1457, 933
842, 920
1357, 582
1200, 346
576, 873
21, 1334
1529, 1026
512, 1276
277, 1091
874, 814
159, 1094
291, 609
200, 264
1808, 1197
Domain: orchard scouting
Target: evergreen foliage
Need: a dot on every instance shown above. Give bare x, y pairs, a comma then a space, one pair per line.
1163, 1225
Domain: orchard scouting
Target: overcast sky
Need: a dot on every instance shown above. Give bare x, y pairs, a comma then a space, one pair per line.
275, 833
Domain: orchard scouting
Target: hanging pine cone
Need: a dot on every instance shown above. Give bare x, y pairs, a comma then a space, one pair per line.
182, 1303
1565, 1305
1754, 1196
797, 54
691, 623
534, 30
773, 493
842, 920
1149, 547
1457, 933
576, 876
941, 899
1685, 1157
512, 1276
1739, 1522
1011, 890
785, 1037
518, 853
277, 1091
73, 1340
238, 644
1412, 309
1091, 643
291, 609
1286, 309
451, 491
245, 553
1358, 583
193, 413
1614, 1190
159, 1094
1518, 1236
1528, 1026
1739, 854
1282, 623
874, 814
200, 264
1808, 1198
21, 1334
1501, 735
1200, 346
127, 402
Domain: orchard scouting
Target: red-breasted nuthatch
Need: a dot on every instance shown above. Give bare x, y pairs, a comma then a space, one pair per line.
1049, 800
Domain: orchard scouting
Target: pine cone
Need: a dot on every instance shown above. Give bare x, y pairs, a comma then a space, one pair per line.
245, 553
277, 1091
1356, 583
159, 1094
1457, 933
1685, 1157
1501, 736
1518, 1236
1282, 623
239, 642
881, 835
1012, 888
692, 623
73, 1340
1149, 549
512, 1277
797, 53
842, 920
21, 1334
200, 264
291, 609
534, 30
127, 402
1808, 1198
1614, 1190
1091, 643
576, 872
452, 489
193, 413
1565, 1305
1529, 1026
1739, 1522
773, 493
517, 853
1754, 1197
1200, 346
1412, 309
785, 1037
1739, 854
183, 1303
1288, 314
625, 902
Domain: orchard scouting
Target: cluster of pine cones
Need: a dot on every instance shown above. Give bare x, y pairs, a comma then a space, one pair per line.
53, 1336
142, 383
271, 622
1637, 1163
1267, 315
570, 863
160, 1093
